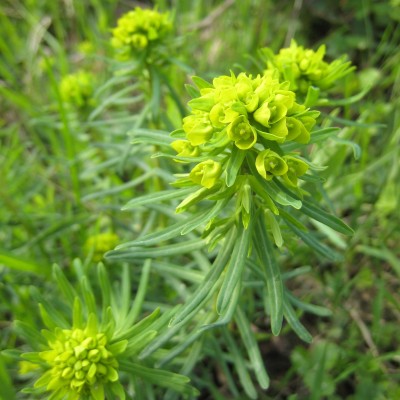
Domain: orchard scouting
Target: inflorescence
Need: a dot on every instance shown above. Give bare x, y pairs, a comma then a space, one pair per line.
138, 31
237, 128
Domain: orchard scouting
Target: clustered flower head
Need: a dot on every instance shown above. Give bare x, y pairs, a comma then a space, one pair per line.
305, 67
77, 89
237, 131
81, 362
84, 360
138, 30
98, 245
251, 114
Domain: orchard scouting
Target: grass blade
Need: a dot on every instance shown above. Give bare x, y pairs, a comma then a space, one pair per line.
19, 264
253, 350
327, 219
294, 322
207, 287
158, 197
235, 268
168, 250
315, 244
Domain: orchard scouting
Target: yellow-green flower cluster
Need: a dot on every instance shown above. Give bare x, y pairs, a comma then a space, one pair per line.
139, 29
251, 114
81, 362
99, 244
77, 89
305, 67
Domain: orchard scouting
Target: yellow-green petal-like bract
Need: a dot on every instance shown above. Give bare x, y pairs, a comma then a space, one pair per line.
198, 128
296, 168
206, 173
270, 164
263, 114
184, 148
242, 133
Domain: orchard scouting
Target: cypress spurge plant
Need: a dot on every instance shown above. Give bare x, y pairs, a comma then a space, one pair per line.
93, 356
248, 138
145, 47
